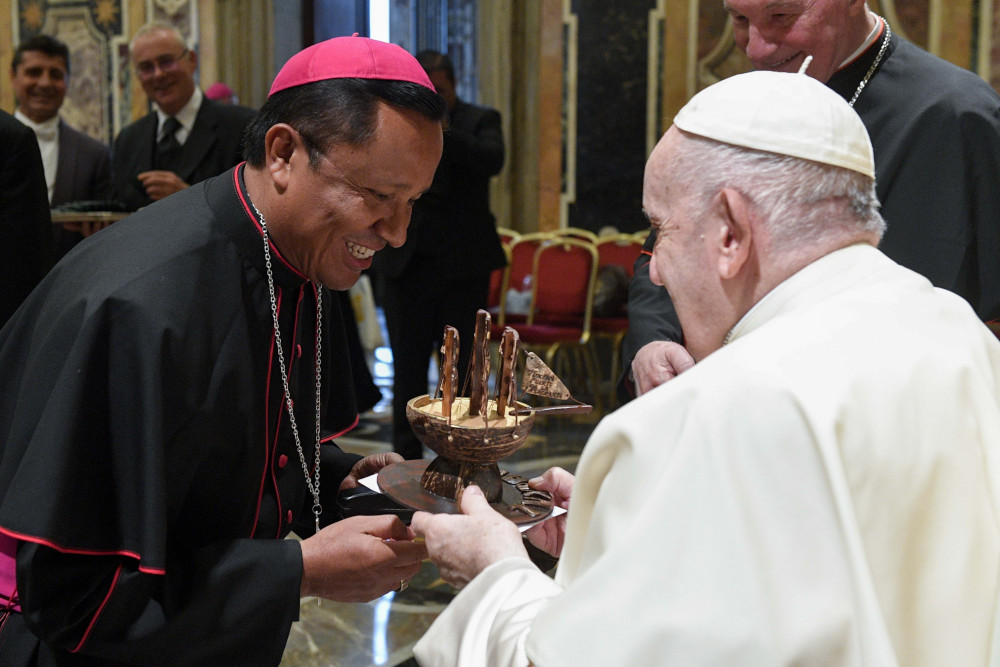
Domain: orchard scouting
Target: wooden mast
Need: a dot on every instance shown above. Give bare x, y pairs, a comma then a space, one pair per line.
448, 382
480, 366
507, 392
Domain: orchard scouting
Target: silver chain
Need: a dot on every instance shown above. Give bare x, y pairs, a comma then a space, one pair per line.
878, 59
312, 483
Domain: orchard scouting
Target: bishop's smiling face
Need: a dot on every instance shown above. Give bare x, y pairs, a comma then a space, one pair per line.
357, 199
777, 35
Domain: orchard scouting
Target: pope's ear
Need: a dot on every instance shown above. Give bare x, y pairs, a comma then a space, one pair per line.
280, 143
735, 233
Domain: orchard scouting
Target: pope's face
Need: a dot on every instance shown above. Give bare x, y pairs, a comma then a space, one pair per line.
357, 199
681, 261
165, 68
777, 35
39, 83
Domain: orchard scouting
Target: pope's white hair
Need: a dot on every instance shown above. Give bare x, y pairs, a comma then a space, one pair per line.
800, 201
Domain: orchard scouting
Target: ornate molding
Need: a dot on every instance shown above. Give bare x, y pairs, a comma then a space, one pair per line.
571, 46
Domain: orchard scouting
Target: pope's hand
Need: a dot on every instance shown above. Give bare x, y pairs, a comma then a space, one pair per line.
463, 545
657, 362
360, 558
368, 466
550, 534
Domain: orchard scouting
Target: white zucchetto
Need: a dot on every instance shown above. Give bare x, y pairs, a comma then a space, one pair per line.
783, 113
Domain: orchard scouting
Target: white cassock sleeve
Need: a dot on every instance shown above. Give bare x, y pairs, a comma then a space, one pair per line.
696, 536
488, 622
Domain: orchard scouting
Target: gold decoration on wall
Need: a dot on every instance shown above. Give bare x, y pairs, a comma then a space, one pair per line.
33, 14
106, 13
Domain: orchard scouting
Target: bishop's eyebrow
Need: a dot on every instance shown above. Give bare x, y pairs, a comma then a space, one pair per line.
779, 6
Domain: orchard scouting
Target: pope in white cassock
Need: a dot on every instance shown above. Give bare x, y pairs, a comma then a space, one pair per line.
822, 487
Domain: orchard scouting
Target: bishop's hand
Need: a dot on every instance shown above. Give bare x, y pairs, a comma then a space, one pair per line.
360, 558
368, 466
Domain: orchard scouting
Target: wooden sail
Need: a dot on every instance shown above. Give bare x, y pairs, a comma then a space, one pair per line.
539, 380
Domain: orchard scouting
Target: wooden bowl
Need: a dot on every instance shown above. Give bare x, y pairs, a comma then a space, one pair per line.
468, 440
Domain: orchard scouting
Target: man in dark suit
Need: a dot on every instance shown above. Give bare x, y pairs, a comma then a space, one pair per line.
441, 274
186, 138
25, 227
77, 167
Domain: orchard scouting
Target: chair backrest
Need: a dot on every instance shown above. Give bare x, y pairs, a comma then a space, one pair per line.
507, 236
520, 259
641, 235
522, 256
498, 279
577, 233
564, 273
619, 250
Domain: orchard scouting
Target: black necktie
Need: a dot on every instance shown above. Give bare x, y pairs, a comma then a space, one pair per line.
168, 148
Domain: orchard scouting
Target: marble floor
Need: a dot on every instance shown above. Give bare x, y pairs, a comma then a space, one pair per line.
383, 632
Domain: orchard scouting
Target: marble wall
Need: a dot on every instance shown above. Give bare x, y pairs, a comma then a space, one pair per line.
630, 65
611, 96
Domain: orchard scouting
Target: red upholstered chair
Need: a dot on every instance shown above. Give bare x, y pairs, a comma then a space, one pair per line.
563, 273
618, 250
577, 233
507, 236
521, 255
499, 279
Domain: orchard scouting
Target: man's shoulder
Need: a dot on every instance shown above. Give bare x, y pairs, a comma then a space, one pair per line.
138, 126
11, 127
940, 75
82, 140
227, 113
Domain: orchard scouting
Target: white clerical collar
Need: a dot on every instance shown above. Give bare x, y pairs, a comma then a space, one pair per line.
185, 116
805, 285
46, 130
865, 45
47, 137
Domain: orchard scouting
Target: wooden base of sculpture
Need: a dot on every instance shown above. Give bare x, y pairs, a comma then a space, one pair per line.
403, 483
446, 478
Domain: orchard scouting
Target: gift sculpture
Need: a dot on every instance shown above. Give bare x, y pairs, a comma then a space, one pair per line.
471, 434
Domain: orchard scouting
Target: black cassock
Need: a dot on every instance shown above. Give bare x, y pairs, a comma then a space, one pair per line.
147, 468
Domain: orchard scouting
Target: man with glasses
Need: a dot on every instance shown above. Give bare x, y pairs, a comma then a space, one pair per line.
186, 138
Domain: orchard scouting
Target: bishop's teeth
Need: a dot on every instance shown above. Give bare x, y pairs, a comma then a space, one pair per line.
779, 64
359, 251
